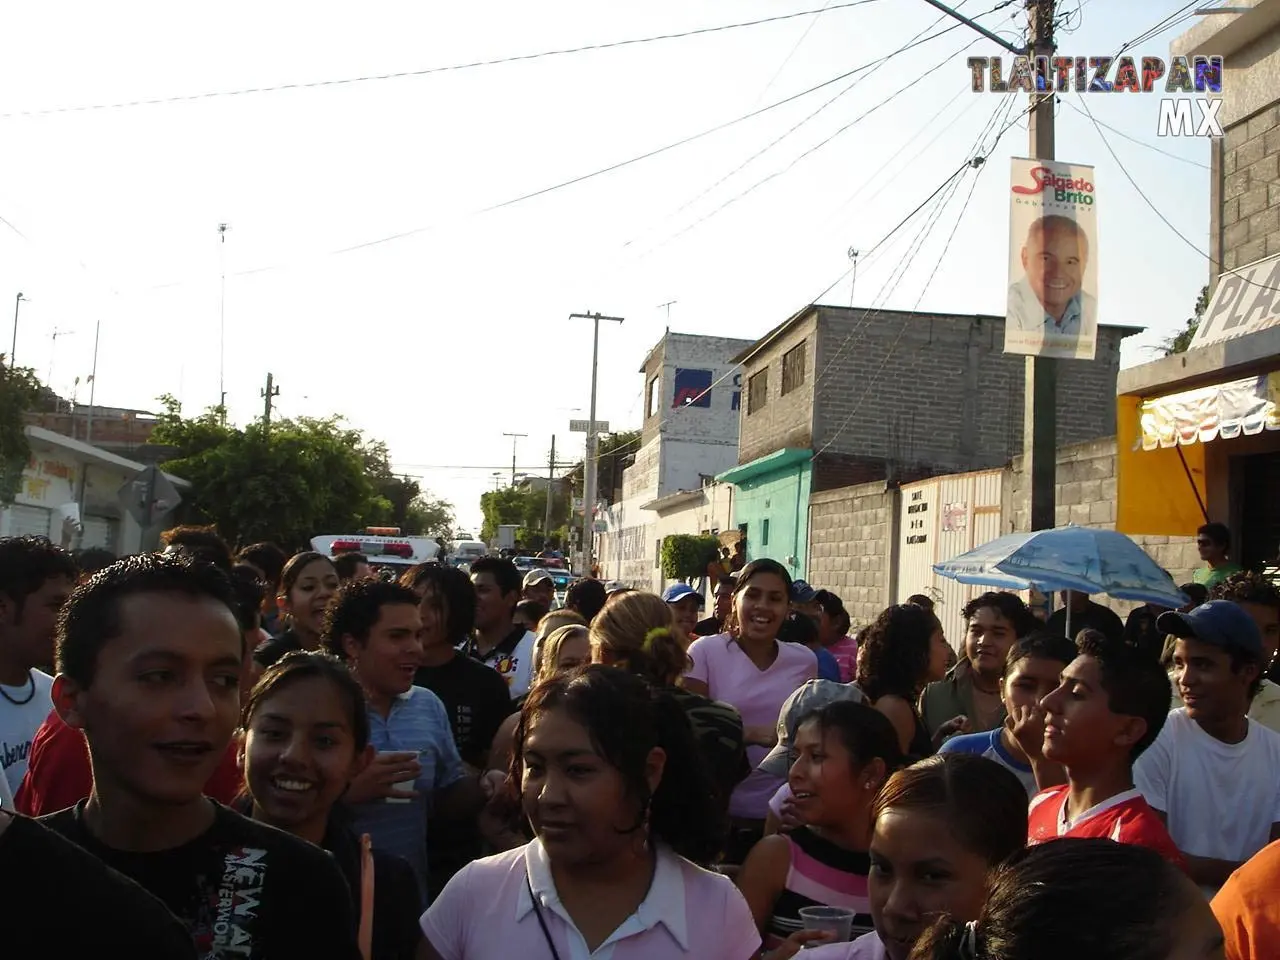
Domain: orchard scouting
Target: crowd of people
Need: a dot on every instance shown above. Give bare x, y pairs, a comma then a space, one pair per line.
249, 754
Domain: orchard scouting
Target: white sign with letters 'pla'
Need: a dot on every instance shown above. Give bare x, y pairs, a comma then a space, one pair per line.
1246, 300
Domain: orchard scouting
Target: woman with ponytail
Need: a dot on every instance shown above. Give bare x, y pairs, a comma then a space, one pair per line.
1074, 899
940, 826
637, 632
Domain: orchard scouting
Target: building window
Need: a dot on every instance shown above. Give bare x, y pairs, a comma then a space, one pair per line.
764, 533
793, 368
651, 407
757, 391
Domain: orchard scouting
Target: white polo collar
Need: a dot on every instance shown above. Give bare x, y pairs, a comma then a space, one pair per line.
664, 903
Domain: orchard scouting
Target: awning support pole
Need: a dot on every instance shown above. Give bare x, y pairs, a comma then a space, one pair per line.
1191, 480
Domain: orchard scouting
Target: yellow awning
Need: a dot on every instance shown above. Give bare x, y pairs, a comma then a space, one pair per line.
1227, 410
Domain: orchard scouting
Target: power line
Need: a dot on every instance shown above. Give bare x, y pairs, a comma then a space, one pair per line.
1131, 139
796, 46
1160, 27
427, 71
811, 150
1156, 210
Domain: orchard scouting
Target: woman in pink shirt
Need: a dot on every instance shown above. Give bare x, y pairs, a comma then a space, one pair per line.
611, 782
833, 632
749, 669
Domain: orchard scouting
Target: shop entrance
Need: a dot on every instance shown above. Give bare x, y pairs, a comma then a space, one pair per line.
1260, 510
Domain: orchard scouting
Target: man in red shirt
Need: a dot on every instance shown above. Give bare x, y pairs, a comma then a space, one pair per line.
1110, 706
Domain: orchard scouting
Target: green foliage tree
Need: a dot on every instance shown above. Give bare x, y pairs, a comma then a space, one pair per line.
1180, 342
289, 482
616, 453
527, 509
20, 392
685, 556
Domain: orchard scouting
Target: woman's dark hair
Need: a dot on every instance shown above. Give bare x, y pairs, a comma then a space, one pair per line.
297, 563
626, 718
893, 653
299, 665
983, 803
1009, 606
451, 586
1069, 899
636, 632
863, 731
745, 576
832, 605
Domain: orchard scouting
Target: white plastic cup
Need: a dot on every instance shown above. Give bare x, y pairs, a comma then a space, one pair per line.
835, 920
405, 786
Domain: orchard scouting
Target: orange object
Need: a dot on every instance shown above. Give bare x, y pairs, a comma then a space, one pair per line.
1247, 909
365, 933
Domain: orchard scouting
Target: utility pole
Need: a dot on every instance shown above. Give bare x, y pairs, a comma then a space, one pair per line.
591, 460
53, 351
1040, 394
551, 483
93, 385
269, 394
515, 438
853, 284
222, 322
17, 303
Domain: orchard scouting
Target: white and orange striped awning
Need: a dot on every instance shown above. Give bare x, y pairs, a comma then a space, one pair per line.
1223, 411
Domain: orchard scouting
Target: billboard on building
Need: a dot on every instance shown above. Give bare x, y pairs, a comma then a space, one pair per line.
693, 388
1244, 301
1053, 261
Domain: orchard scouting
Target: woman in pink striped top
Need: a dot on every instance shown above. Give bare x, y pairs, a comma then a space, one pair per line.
843, 752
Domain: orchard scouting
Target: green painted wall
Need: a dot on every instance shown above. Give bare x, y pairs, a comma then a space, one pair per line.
782, 498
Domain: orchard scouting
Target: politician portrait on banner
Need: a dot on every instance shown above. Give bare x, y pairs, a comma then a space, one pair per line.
1053, 261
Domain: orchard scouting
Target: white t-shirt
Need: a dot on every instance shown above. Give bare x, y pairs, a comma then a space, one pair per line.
22, 710
1220, 798
514, 663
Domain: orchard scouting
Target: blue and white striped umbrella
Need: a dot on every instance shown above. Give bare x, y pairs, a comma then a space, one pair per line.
1067, 558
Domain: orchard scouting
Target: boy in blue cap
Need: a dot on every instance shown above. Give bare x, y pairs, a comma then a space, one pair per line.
685, 602
1211, 774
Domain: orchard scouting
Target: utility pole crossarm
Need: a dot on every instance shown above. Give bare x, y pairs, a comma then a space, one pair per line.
974, 25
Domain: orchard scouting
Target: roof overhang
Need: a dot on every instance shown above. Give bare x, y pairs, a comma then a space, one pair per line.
1227, 33
673, 500
764, 342
92, 454
770, 463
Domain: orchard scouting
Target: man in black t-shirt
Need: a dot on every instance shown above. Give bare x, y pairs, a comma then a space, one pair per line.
112, 916
149, 656
714, 624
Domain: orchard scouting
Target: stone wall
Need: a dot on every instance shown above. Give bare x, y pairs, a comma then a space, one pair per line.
1086, 496
1250, 193
851, 539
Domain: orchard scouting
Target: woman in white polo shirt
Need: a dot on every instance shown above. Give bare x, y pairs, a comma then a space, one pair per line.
610, 780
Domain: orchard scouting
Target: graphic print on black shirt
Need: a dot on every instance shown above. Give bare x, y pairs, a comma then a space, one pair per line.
239, 888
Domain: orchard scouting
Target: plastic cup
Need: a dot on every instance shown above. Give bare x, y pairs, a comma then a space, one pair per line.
403, 785
836, 920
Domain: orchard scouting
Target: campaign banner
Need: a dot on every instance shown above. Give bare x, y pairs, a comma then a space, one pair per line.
1053, 261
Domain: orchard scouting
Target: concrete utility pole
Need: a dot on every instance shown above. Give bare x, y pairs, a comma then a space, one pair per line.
269, 394
515, 438
1040, 395
591, 460
222, 321
17, 304
551, 482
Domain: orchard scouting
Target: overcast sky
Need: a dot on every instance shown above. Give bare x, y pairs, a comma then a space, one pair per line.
441, 341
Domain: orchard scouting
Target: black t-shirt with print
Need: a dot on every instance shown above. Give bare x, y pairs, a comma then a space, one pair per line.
242, 889
477, 700
63, 904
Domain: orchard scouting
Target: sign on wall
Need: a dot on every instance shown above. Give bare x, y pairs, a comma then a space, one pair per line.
693, 388
1246, 300
1053, 261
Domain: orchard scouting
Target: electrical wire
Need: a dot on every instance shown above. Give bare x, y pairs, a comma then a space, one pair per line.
913, 42
871, 382
427, 71
792, 52
1160, 27
811, 150
1156, 210
1131, 139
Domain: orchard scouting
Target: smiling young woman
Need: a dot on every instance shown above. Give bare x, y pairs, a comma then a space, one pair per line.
749, 669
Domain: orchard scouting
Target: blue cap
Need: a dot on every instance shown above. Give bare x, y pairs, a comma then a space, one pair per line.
801, 592
1218, 622
678, 591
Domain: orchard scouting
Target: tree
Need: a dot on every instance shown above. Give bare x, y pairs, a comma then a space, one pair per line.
20, 392
615, 452
288, 482
526, 508
1180, 342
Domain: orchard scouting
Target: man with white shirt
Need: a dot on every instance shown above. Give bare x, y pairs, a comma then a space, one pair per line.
36, 578
1213, 774
1049, 297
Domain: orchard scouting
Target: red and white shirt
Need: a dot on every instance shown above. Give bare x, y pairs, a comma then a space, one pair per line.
1124, 818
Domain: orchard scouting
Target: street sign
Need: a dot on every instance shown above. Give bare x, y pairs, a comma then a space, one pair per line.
580, 426
149, 496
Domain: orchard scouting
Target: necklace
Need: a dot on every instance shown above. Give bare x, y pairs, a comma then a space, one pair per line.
18, 703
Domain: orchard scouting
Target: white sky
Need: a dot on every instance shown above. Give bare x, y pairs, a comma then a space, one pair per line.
440, 342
